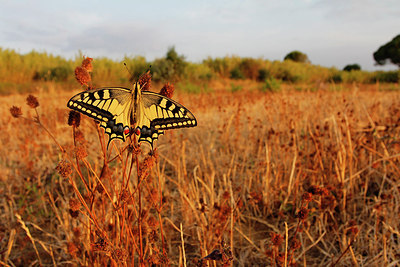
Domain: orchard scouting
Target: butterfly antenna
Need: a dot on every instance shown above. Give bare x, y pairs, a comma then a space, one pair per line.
130, 73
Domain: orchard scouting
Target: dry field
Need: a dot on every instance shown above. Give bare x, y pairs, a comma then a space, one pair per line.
291, 178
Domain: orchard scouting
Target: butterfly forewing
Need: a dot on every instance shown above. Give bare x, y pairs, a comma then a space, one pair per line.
109, 106
164, 113
161, 113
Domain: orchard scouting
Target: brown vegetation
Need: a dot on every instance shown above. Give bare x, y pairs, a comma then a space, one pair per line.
265, 179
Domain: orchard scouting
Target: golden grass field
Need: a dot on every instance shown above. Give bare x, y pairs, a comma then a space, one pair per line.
265, 179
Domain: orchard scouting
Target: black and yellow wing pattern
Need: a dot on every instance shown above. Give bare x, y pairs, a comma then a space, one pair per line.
123, 112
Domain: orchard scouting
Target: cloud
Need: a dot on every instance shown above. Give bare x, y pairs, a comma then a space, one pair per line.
116, 40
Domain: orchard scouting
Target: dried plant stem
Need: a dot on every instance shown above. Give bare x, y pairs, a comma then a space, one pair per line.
344, 252
286, 243
183, 246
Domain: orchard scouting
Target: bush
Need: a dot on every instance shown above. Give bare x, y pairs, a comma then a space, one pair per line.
198, 72
236, 88
386, 76
297, 56
170, 68
337, 77
236, 74
250, 68
271, 85
57, 74
263, 74
351, 67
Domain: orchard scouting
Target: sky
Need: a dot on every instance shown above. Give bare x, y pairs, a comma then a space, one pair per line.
333, 33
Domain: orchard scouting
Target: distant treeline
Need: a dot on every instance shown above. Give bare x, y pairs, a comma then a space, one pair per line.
16, 68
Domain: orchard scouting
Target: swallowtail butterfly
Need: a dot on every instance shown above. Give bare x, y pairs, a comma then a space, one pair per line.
123, 112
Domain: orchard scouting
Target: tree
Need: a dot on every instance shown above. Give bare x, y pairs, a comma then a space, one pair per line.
297, 56
389, 51
172, 67
351, 67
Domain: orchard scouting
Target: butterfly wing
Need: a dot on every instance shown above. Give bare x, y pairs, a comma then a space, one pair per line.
161, 113
112, 107
109, 106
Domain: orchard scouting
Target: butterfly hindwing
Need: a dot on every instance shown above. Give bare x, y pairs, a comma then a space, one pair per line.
108, 106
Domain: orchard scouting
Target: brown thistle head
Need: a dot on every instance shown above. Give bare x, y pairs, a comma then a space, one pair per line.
145, 81
74, 118
82, 76
64, 169
32, 101
167, 90
87, 64
15, 111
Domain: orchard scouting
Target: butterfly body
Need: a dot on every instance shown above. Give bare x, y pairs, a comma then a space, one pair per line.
122, 111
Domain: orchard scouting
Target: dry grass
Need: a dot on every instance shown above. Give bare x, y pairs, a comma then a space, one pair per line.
271, 179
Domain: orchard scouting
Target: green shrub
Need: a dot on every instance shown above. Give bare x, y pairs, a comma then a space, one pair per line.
236, 88
193, 88
297, 56
170, 68
386, 76
198, 72
236, 74
337, 77
263, 74
56, 74
271, 85
250, 68
351, 67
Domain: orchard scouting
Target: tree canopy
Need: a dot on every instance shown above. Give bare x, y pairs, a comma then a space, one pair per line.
297, 56
351, 67
389, 51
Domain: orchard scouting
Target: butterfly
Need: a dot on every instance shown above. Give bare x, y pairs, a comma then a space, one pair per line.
123, 112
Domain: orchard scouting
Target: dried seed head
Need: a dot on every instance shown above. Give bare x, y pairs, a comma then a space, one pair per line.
276, 239
307, 197
74, 118
145, 81
87, 64
119, 254
82, 75
80, 152
153, 196
146, 165
101, 245
64, 168
315, 190
167, 90
302, 214
77, 233
74, 214
153, 236
32, 101
72, 249
226, 195
74, 204
15, 111
125, 195
152, 222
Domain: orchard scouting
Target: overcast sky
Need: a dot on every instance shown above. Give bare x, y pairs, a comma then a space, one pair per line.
330, 32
